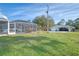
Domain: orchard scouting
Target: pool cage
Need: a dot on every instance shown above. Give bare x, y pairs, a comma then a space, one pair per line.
17, 26
22, 27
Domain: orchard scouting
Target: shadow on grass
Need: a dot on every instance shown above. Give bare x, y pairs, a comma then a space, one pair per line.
41, 50
7, 42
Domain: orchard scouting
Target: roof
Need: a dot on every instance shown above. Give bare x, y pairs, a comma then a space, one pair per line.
66, 26
22, 21
3, 18
19, 21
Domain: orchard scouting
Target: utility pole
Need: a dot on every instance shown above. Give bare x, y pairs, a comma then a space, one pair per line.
47, 12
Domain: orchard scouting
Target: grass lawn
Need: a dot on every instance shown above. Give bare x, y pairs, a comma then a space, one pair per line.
40, 44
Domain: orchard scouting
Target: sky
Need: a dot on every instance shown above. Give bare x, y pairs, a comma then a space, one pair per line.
28, 11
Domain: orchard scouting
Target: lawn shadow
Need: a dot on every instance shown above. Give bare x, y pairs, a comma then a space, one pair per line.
56, 46
39, 49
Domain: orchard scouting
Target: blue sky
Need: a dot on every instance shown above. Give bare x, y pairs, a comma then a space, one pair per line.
28, 11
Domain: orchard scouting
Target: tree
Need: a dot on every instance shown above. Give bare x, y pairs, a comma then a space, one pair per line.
76, 23
43, 21
70, 23
61, 22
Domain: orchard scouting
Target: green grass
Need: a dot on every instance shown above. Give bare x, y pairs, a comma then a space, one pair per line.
40, 44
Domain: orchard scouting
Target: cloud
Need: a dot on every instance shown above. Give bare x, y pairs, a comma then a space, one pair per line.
16, 13
28, 12
56, 11
30, 15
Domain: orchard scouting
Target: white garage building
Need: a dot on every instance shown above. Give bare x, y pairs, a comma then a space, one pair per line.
62, 28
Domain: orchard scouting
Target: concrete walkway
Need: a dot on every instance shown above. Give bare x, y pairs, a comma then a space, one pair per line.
3, 35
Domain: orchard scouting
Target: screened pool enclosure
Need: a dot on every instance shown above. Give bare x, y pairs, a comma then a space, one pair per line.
16, 26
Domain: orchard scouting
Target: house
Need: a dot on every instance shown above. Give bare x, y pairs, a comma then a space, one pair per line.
62, 28
16, 26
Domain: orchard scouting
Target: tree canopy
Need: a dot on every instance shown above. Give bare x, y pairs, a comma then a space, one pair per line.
76, 23
61, 22
70, 23
43, 21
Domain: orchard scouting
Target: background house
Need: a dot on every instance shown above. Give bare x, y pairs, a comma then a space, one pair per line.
62, 26
65, 28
